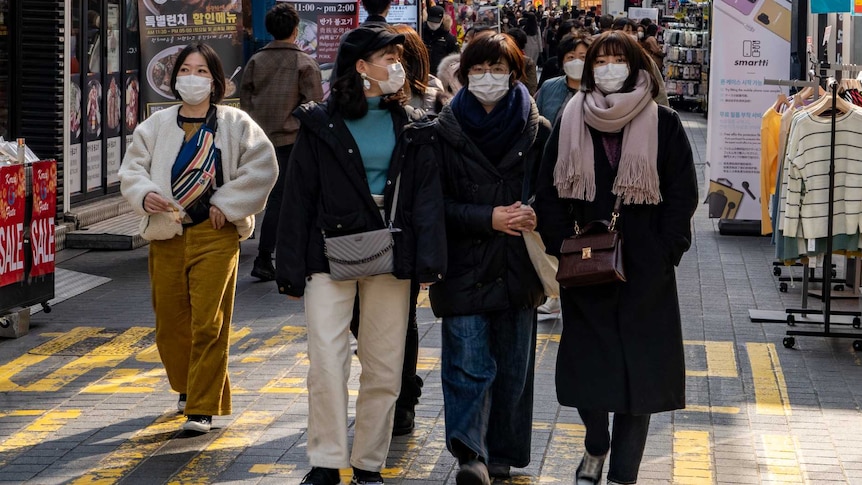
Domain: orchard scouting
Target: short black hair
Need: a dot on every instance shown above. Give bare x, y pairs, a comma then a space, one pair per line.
646, 21
281, 21
213, 64
520, 37
622, 22
375, 7
618, 43
569, 43
651, 30
606, 21
491, 48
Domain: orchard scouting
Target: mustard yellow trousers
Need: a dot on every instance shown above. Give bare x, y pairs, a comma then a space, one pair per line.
193, 279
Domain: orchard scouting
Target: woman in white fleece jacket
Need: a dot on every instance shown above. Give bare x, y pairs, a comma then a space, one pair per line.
194, 239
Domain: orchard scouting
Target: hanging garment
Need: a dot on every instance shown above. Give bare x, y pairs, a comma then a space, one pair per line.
769, 142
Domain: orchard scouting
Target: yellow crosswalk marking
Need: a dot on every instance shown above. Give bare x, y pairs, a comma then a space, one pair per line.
243, 432
427, 362
720, 360
422, 454
272, 469
779, 454
41, 353
132, 452
108, 354
711, 409
770, 389
275, 344
127, 381
422, 302
36, 432
692, 458
564, 451
22, 412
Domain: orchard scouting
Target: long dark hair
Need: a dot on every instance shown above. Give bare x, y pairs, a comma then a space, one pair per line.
348, 96
417, 64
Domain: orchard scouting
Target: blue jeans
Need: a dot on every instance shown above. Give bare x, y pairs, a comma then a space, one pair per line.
487, 370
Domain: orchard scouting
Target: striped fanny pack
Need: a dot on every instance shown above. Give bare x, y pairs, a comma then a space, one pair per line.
195, 168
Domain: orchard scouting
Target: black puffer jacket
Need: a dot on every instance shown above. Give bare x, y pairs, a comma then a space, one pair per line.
488, 270
326, 188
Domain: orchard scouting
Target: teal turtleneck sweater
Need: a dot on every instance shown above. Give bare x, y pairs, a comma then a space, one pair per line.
375, 137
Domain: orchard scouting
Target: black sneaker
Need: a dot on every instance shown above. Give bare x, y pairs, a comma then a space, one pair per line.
263, 269
198, 422
474, 472
321, 476
181, 404
405, 420
363, 477
496, 470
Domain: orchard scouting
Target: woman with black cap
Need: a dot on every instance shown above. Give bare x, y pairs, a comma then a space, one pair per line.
357, 157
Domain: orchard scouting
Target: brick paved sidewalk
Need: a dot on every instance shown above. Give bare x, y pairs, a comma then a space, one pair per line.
83, 398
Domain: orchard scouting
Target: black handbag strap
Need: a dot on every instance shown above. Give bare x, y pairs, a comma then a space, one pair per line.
615, 217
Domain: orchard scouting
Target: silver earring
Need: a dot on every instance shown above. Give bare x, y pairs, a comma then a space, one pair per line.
365, 82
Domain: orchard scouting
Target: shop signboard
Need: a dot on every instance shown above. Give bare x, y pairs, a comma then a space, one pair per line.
754, 45
400, 12
93, 129
12, 187
44, 177
168, 26
76, 126
321, 25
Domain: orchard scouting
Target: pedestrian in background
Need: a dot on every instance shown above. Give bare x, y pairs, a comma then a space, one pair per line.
277, 79
490, 134
197, 207
621, 348
353, 154
439, 41
531, 77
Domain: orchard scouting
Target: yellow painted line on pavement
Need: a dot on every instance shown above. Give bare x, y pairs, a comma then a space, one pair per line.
22, 412
273, 469
550, 337
692, 463
275, 344
424, 301
564, 451
711, 409
780, 458
420, 458
427, 363
108, 354
239, 435
770, 389
36, 432
132, 452
720, 359
41, 353
126, 381
285, 385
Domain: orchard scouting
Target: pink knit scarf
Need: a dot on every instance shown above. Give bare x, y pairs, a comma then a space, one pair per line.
637, 177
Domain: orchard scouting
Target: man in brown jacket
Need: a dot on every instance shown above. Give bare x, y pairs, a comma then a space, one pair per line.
277, 79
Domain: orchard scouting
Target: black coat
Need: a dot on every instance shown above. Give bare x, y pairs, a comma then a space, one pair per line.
621, 348
488, 270
325, 172
440, 43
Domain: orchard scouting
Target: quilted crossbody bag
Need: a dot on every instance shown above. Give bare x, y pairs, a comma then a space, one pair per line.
594, 255
363, 254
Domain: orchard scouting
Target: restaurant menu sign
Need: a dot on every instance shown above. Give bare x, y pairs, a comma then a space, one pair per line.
44, 177
321, 25
11, 224
168, 26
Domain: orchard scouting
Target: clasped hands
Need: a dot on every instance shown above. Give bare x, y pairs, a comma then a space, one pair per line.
513, 219
155, 203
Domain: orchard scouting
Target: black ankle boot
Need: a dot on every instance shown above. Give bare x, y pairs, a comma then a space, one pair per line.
263, 268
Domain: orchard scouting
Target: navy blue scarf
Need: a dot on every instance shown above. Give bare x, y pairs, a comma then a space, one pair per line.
496, 132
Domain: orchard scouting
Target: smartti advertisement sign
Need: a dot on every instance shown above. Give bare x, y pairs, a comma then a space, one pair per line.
752, 44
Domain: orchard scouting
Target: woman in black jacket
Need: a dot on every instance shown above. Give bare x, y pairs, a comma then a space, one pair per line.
490, 133
621, 348
351, 155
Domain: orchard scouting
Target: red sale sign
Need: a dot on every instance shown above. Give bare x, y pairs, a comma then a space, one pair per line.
44, 212
11, 224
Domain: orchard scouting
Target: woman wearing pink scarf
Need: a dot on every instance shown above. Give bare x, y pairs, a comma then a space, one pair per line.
621, 348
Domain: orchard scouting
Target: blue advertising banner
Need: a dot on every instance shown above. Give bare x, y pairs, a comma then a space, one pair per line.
831, 6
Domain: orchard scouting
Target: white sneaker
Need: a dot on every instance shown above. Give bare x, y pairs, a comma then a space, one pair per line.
551, 305
198, 423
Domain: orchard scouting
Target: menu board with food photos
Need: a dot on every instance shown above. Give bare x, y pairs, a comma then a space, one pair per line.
321, 25
168, 26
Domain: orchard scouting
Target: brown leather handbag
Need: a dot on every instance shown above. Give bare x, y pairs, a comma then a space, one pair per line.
594, 255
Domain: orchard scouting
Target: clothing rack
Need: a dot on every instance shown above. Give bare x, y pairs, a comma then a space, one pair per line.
826, 311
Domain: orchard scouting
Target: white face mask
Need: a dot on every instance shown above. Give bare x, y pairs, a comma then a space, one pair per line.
574, 69
193, 89
434, 25
487, 88
640, 35
611, 77
396, 78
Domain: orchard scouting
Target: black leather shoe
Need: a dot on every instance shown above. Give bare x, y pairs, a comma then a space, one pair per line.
405, 421
263, 269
